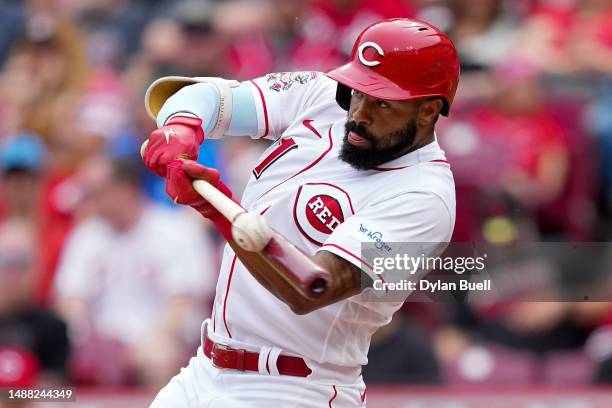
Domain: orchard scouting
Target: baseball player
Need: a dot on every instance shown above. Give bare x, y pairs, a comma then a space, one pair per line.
354, 158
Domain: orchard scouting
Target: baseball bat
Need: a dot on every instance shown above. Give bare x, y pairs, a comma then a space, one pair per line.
291, 265
226, 206
259, 247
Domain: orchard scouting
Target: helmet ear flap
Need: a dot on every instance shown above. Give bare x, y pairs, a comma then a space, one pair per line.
445, 107
343, 96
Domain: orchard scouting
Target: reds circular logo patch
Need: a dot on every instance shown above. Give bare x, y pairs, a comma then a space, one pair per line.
319, 208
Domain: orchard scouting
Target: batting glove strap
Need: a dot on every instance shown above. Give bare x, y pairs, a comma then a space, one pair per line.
192, 122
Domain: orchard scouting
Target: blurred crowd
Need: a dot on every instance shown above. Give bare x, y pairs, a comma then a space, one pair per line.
103, 281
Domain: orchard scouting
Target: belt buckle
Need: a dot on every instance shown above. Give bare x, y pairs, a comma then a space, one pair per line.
213, 354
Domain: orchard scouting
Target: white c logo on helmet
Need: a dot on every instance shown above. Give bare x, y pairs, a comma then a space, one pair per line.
362, 59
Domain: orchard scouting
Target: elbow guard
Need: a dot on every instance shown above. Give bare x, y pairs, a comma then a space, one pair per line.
162, 89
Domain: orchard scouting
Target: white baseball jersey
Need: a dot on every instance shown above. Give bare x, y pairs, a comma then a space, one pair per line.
319, 202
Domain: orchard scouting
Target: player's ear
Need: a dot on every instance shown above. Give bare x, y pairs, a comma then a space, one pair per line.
429, 110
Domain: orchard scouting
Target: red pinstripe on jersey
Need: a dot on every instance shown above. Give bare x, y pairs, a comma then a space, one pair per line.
333, 396
214, 317
229, 282
265, 110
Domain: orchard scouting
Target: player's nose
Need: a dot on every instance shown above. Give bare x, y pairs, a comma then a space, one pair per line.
360, 112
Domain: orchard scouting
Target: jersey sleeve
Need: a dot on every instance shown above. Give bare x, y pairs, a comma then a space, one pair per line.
281, 97
261, 108
415, 223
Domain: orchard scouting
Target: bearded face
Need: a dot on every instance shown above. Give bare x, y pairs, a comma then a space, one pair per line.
364, 150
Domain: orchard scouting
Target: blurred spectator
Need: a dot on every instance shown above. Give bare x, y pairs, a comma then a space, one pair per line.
274, 40
343, 20
483, 32
514, 146
293, 35
401, 354
521, 342
119, 285
37, 198
599, 348
570, 36
22, 159
11, 19
537, 146
203, 50
55, 45
526, 342
102, 113
33, 341
114, 27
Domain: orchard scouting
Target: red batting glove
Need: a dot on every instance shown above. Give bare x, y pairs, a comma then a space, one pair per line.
180, 138
180, 174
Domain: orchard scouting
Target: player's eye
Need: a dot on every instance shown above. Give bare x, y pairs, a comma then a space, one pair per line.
382, 103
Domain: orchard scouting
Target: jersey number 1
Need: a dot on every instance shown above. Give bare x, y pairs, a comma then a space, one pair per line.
285, 146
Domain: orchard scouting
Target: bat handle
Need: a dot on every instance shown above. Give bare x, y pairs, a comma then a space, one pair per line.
225, 205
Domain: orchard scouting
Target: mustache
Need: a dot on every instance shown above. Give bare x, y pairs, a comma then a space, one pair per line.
352, 126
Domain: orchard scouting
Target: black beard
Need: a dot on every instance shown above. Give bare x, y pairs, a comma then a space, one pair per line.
367, 158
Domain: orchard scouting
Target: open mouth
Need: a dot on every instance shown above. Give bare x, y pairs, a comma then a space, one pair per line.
356, 140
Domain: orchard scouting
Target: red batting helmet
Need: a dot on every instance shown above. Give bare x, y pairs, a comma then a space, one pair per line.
400, 59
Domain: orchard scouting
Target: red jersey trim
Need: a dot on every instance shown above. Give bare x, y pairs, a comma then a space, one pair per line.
346, 251
214, 317
308, 124
229, 282
265, 110
331, 144
403, 167
359, 259
283, 148
333, 396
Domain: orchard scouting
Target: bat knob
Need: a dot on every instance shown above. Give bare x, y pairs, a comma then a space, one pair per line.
318, 286
143, 147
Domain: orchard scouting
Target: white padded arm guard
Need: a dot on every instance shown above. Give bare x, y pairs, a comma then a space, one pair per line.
163, 88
